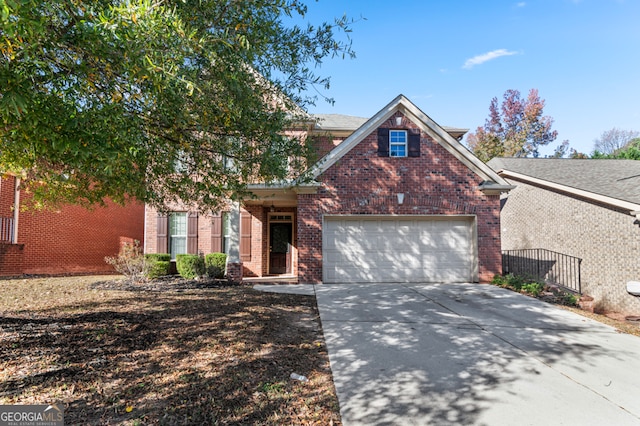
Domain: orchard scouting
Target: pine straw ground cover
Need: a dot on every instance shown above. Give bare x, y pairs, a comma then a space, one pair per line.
173, 353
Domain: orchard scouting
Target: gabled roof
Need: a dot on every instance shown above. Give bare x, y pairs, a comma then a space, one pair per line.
614, 182
328, 122
350, 123
493, 182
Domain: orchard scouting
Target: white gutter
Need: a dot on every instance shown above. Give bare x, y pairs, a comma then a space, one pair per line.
626, 205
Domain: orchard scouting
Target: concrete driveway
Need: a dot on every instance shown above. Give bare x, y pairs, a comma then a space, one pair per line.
469, 354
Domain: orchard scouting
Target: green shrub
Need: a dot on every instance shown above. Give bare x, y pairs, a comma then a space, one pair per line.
511, 281
515, 282
215, 264
190, 266
499, 280
158, 268
568, 299
157, 257
157, 265
533, 288
518, 283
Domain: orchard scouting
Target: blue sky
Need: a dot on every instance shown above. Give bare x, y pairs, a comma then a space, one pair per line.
451, 57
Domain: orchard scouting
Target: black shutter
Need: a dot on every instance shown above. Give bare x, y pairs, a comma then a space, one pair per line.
383, 142
162, 228
414, 143
192, 233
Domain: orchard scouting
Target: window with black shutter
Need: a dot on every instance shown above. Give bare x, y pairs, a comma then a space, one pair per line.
398, 143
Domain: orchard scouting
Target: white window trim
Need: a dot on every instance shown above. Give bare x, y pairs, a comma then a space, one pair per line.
174, 236
404, 144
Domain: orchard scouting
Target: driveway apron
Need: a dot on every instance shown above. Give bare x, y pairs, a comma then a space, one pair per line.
473, 354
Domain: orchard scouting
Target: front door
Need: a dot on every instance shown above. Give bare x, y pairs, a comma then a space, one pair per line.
280, 248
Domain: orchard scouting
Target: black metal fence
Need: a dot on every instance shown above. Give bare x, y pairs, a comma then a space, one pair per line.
544, 265
6, 229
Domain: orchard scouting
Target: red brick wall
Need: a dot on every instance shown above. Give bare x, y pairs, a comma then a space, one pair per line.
11, 256
7, 186
76, 240
323, 144
69, 240
436, 183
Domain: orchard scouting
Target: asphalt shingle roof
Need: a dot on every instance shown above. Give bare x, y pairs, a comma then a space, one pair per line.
619, 179
338, 121
351, 123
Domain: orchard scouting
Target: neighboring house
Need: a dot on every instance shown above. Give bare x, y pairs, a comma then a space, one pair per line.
394, 198
69, 240
584, 208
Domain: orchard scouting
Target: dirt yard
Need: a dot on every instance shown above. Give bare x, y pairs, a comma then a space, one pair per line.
173, 353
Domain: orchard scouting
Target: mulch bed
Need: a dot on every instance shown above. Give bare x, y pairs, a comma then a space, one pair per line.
172, 352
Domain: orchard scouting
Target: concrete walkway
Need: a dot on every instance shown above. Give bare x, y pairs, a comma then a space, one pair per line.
469, 354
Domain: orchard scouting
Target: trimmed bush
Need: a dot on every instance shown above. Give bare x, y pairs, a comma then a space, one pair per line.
215, 264
157, 265
190, 266
157, 257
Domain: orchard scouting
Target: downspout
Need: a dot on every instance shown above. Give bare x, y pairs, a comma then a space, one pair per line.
16, 211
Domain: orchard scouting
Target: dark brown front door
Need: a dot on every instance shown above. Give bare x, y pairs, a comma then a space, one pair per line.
280, 248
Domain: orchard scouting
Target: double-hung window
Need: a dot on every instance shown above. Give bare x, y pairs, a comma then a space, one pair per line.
398, 143
177, 234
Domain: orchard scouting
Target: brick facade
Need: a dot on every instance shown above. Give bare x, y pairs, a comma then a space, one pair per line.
256, 264
436, 183
607, 240
69, 240
11, 259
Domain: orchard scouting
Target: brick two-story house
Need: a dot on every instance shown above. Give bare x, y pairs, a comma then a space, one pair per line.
69, 240
394, 198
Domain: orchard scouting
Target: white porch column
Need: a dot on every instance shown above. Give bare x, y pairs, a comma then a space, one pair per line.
234, 264
16, 211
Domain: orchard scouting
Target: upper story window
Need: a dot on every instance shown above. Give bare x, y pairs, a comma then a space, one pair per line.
398, 143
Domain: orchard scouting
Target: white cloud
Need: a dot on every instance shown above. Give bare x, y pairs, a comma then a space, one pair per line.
481, 59
521, 4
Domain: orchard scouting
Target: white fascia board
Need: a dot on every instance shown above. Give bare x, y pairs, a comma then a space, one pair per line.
626, 205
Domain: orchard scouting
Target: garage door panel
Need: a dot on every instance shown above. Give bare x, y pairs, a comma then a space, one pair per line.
398, 250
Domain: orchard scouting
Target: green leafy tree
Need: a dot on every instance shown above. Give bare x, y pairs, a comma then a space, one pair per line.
516, 128
630, 151
155, 99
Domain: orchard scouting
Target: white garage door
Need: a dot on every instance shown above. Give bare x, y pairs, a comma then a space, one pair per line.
397, 249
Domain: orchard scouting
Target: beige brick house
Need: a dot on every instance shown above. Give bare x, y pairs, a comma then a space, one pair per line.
584, 208
393, 198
